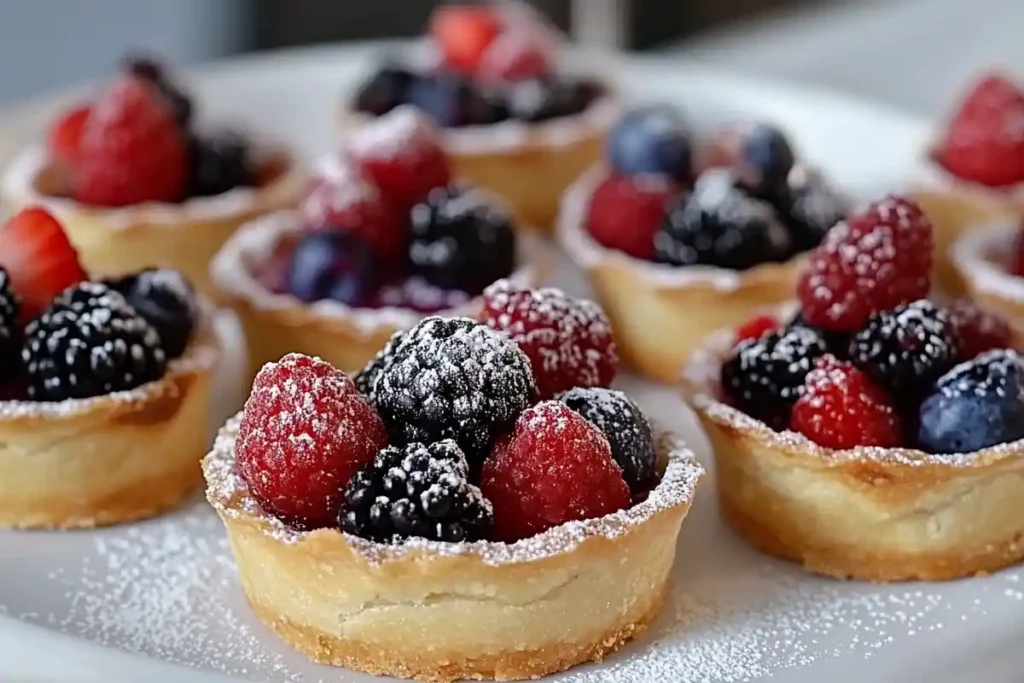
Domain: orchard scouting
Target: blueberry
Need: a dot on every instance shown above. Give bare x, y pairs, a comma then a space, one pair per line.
652, 140
331, 264
453, 101
765, 161
385, 90
976, 405
219, 162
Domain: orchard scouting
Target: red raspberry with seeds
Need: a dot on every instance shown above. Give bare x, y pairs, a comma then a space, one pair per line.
985, 140
463, 34
304, 433
568, 341
625, 212
977, 330
877, 260
841, 407
131, 149
66, 133
756, 328
553, 468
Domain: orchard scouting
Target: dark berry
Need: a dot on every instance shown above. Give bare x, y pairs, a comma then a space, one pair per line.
10, 330
453, 379
571, 96
453, 101
416, 491
838, 343
385, 90
366, 378
976, 405
540, 99
764, 377
90, 342
219, 162
167, 301
810, 207
626, 428
154, 72
652, 140
332, 264
907, 349
764, 161
461, 240
718, 224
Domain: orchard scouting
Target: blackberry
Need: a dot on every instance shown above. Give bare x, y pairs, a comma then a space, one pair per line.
837, 342
10, 331
810, 207
150, 69
416, 491
460, 240
219, 162
167, 301
719, 224
764, 377
385, 90
366, 378
453, 379
90, 342
907, 349
626, 428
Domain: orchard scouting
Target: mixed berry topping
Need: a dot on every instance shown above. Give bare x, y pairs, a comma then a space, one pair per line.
757, 327
167, 301
812, 205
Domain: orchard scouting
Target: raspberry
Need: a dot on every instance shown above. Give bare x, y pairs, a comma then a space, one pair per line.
985, 140
568, 341
876, 260
977, 330
66, 133
554, 467
755, 328
625, 213
401, 153
131, 150
840, 407
305, 431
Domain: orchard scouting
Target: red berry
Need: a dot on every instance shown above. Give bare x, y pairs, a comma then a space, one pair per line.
66, 133
401, 154
756, 328
568, 341
516, 55
553, 468
463, 33
877, 260
977, 330
40, 260
625, 212
304, 433
131, 149
985, 140
841, 407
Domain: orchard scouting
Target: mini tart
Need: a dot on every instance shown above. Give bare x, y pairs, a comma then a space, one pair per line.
115, 241
981, 261
442, 611
347, 337
110, 459
662, 313
877, 514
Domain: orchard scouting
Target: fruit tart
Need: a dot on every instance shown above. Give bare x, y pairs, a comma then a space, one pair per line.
105, 385
385, 237
873, 433
974, 173
514, 120
687, 236
990, 263
138, 183
444, 517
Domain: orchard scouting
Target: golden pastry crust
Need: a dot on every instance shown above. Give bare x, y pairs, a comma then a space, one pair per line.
444, 612
114, 241
110, 459
982, 258
878, 514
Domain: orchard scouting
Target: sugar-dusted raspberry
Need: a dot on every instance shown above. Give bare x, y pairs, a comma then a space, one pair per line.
876, 260
305, 431
625, 212
568, 340
554, 467
757, 327
401, 153
841, 407
977, 330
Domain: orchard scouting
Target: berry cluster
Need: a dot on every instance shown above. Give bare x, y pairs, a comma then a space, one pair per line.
869, 361
136, 143
441, 436
62, 336
745, 203
388, 228
492, 69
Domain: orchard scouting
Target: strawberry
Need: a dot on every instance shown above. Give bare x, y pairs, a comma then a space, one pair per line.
463, 33
66, 133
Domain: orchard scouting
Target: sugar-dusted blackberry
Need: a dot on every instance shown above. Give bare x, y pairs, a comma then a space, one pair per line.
167, 300
385, 90
810, 206
10, 330
764, 377
838, 343
719, 224
218, 162
90, 342
453, 379
152, 70
416, 491
626, 428
461, 240
366, 378
907, 349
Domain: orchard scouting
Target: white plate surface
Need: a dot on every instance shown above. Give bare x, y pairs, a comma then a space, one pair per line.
132, 603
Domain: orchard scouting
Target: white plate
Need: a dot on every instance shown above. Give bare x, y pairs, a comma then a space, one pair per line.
166, 589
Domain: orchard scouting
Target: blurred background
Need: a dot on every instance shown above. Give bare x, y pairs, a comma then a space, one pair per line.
911, 53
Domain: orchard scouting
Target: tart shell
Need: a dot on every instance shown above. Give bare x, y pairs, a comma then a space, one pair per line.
877, 514
443, 612
982, 261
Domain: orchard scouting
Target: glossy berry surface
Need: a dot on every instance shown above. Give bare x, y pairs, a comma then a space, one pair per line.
66, 133
416, 491
10, 330
167, 301
977, 330
765, 160
218, 162
554, 467
626, 212
386, 89
463, 33
810, 207
349, 203
304, 433
335, 265
976, 405
652, 140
